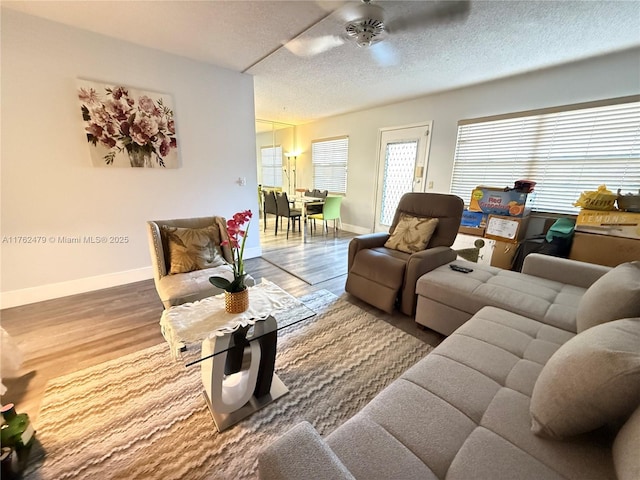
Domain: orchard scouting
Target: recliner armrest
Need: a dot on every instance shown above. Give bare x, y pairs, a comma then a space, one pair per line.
563, 270
301, 453
430, 259
369, 240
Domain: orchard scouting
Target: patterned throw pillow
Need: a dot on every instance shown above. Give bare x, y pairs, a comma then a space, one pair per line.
192, 249
412, 234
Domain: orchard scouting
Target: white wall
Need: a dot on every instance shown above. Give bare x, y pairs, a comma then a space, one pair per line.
49, 187
611, 76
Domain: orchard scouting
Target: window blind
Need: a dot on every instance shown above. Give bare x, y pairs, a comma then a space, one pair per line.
271, 158
564, 151
329, 158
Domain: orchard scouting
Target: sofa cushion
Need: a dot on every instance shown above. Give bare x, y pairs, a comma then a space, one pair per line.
412, 234
307, 454
192, 249
592, 379
192, 286
613, 296
544, 300
626, 458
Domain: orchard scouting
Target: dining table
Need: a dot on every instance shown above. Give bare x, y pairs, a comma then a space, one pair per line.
304, 203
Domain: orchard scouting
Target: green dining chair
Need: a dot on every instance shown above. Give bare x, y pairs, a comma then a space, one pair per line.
330, 211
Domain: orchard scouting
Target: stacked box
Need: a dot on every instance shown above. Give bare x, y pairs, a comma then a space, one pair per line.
496, 201
506, 229
614, 223
604, 249
473, 223
473, 219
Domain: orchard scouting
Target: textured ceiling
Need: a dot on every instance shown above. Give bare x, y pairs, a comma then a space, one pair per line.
497, 39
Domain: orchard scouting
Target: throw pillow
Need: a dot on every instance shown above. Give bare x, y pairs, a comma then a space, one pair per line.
591, 380
626, 446
412, 234
192, 249
614, 295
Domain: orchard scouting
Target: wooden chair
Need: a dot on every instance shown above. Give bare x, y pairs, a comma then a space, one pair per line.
285, 210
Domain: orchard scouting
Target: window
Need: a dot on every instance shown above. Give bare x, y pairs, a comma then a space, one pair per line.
271, 159
329, 158
566, 150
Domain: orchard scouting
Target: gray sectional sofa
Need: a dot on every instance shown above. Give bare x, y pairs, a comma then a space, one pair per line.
505, 396
549, 290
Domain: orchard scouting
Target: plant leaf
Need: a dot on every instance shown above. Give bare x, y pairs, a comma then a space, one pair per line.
220, 282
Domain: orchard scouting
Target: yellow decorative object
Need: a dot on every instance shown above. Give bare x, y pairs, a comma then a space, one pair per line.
601, 199
236, 302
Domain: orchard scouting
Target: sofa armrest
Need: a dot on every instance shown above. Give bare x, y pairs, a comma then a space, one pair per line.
563, 270
301, 453
420, 263
369, 240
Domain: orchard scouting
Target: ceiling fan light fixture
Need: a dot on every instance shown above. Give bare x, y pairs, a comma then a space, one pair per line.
365, 32
365, 23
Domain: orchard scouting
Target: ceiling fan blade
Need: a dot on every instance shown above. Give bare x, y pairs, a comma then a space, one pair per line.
330, 5
308, 47
384, 54
356, 10
440, 13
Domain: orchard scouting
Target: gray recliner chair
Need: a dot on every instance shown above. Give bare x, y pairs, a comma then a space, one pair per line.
384, 277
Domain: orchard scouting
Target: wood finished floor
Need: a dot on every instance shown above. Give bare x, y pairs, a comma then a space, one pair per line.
67, 334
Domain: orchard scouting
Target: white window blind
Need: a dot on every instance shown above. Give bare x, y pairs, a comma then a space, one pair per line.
271, 158
564, 151
329, 158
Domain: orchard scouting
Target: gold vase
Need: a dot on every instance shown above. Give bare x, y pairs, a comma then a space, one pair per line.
236, 302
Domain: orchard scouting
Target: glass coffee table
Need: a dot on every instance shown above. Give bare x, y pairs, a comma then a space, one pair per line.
236, 353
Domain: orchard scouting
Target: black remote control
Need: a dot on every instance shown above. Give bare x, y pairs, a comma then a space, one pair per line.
458, 268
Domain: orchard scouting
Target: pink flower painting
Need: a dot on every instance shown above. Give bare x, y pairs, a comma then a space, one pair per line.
126, 127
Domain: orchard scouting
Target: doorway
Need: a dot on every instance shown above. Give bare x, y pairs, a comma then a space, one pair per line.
402, 167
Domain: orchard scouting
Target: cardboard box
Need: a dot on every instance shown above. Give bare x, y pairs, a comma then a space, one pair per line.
614, 223
473, 219
506, 229
604, 249
475, 231
496, 201
504, 254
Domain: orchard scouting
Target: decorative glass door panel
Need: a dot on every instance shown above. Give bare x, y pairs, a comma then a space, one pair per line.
399, 165
402, 159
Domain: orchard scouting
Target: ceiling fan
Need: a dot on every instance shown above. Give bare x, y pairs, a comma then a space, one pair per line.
367, 24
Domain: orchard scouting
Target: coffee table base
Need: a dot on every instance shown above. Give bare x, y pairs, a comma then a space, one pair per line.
226, 420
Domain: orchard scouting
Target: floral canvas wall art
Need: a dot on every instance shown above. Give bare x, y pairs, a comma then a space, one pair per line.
126, 127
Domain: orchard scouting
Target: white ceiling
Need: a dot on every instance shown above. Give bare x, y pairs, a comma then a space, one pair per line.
497, 39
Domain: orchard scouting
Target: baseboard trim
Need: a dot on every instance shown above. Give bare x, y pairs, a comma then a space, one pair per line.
355, 229
25, 296
253, 252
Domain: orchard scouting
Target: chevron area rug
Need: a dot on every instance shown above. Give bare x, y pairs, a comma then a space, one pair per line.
143, 416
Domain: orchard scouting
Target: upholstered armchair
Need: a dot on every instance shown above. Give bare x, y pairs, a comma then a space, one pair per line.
185, 253
383, 268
